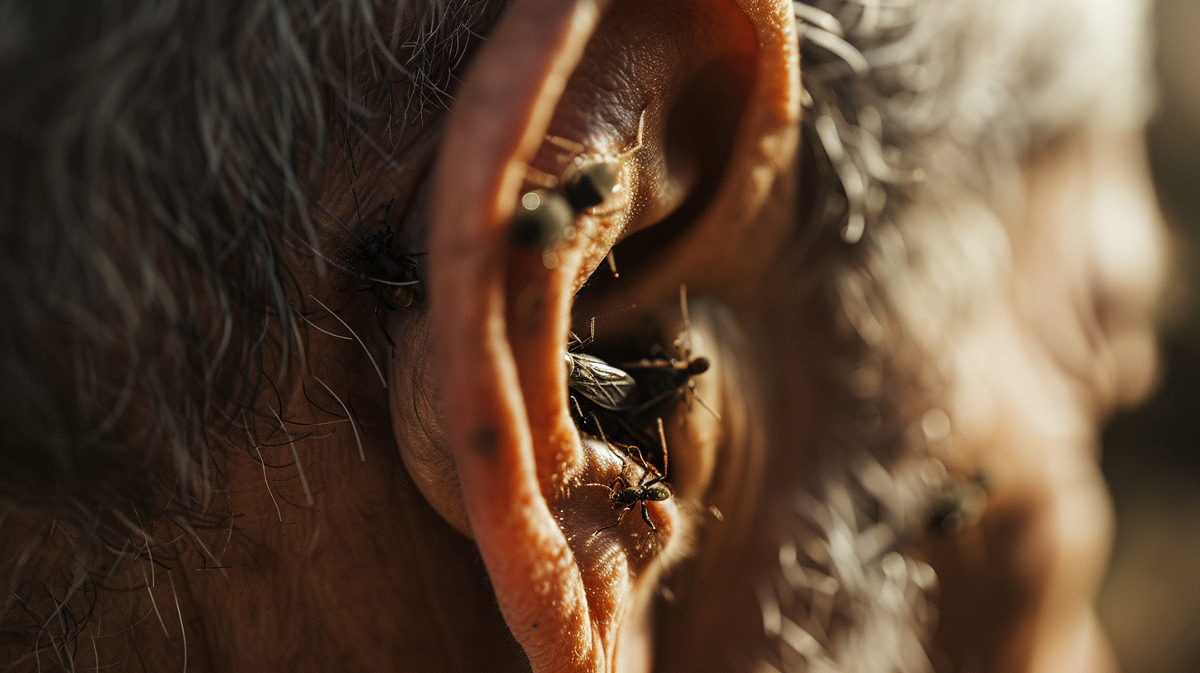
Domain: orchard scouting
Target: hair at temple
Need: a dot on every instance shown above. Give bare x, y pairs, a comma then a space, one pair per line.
155, 165
156, 162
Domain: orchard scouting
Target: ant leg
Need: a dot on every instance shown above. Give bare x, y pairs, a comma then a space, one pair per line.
662, 437
646, 517
620, 518
620, 456
565, 144
701, 402
379, 319
540, 178
651, 403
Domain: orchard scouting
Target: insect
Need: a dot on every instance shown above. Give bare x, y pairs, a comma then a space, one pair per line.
603, 385
542, 219
600, 383
391, 276
665, 378
651, 487
546, 215
958, 507
591, 184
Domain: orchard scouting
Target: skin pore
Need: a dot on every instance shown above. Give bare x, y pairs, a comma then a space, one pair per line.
411, 490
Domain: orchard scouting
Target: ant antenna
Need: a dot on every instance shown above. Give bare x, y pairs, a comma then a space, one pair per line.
641, 135
662, 437
540, 178
565, 144
685, 340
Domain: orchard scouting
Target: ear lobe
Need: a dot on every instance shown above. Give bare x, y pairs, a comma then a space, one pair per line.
574, 598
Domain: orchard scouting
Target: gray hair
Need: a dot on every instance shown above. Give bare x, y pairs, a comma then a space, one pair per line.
919, 114
156, 158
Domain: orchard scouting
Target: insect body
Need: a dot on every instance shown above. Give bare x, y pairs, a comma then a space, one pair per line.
392, 275
543, 218
958, 507
600, 383
651, 487
591, 184
664, 379
628, 496
546, 216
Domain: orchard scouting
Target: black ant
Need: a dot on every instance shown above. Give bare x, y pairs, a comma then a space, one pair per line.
542, 219
649, 488
393, 275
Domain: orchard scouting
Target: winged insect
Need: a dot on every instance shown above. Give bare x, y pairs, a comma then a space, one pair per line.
600, 383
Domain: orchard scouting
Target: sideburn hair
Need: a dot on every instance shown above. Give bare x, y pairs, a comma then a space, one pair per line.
156, 160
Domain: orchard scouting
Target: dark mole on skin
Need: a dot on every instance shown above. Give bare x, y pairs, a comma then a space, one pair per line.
484, 439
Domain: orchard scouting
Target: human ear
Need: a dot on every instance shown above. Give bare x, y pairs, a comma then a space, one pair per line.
694, 105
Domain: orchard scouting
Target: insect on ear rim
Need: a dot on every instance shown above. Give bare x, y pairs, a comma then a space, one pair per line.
543, 220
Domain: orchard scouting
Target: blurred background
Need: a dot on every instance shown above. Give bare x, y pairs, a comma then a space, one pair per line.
1151, 601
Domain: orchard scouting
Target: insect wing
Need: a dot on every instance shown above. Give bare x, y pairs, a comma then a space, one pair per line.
601, 383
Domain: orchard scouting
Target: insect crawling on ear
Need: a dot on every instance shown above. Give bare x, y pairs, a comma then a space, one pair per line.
651, 487
590, 183
543, 219
598, 382
546, 216
664, 379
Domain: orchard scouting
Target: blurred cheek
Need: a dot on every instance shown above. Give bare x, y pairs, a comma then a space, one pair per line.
1066, 337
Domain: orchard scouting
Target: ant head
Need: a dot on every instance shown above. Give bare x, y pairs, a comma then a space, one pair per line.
591, 184
657, 492
698, 366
